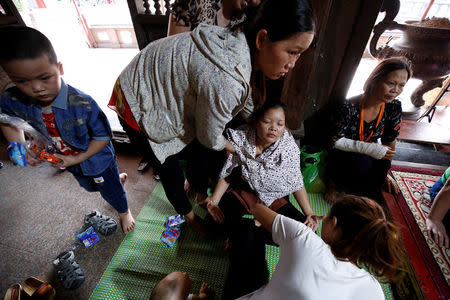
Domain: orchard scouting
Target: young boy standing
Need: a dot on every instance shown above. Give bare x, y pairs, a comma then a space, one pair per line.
72, 120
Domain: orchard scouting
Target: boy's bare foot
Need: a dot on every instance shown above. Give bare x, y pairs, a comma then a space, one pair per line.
127, 221
205, 291
201, 198
196, 223
123, 178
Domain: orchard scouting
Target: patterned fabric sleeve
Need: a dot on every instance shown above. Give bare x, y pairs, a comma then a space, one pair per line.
233, 159
291, 163
191, 13
231, 163
180, 10
340, 121
392, 123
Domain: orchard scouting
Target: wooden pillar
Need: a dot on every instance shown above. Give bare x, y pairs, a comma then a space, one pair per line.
325, 71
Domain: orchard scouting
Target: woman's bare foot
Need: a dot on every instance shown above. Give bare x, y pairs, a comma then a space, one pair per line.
187, 187
196, 223
200, 198
228, 245
123, 178
205, 291
127, 221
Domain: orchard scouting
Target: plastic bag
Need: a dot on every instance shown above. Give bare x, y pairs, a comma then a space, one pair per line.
313, 168
175, 220
88, 237
170, 235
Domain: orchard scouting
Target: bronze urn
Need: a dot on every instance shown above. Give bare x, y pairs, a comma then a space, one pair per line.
423, 43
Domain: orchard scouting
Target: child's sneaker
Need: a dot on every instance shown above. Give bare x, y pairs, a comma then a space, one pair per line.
69, 272
102, 224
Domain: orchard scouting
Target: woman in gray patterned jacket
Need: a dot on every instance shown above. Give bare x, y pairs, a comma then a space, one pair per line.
190, 85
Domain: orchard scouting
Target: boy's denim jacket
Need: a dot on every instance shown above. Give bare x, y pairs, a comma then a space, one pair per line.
78, 118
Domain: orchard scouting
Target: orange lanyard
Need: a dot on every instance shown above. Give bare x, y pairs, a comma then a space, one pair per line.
361, 122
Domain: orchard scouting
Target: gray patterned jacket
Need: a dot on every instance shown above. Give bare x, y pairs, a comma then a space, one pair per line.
189, 85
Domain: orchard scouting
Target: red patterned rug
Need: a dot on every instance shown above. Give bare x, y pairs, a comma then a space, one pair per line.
431, 263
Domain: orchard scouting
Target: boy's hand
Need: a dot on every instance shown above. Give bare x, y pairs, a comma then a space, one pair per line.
32, 159
67, 160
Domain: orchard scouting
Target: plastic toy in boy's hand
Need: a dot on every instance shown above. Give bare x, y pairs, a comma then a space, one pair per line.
170, 235
44, 155
174, 220
16, 153
88, 237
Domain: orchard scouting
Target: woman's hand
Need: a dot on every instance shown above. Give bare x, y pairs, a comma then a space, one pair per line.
312, 221
391, 185
229, 148
215, 211
436, 231
389, 154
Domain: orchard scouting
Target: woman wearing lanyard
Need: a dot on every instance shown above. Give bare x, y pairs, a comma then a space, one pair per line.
358, 163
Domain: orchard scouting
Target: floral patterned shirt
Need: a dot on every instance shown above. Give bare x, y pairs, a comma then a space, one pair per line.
346, 118
273, 174
193, 12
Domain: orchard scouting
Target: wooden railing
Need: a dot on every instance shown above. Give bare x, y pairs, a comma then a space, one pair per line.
150, 21
157, 6
9, 14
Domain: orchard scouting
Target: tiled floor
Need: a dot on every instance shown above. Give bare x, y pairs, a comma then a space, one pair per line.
42, 210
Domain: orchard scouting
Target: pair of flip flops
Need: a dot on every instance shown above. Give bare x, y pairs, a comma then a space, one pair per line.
69, 272
31, 287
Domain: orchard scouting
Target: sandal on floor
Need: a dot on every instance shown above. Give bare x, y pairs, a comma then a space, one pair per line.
102, 224
69, 272
13, 293
38, 289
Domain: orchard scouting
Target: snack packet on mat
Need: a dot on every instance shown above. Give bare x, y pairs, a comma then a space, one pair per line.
170, 235
174, 220
88, 237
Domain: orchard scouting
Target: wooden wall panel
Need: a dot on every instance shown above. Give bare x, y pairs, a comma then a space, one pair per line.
325, 71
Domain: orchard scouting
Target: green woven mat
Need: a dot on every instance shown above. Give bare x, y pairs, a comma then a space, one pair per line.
142, 260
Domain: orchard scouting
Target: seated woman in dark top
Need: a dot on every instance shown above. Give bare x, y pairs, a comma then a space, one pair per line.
358, 163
